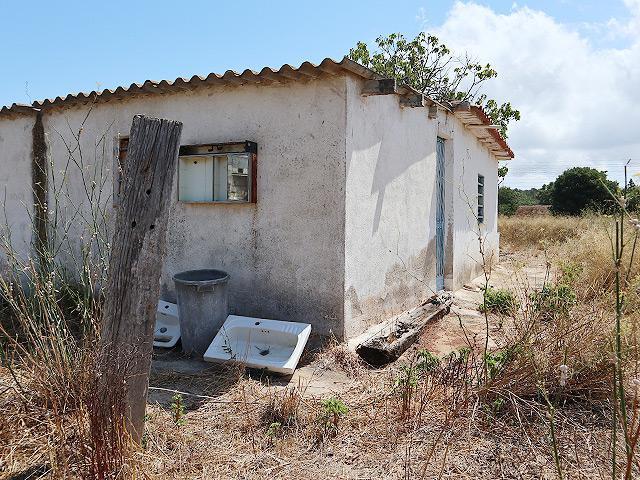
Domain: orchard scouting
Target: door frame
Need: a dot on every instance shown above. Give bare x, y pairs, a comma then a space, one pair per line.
440, 212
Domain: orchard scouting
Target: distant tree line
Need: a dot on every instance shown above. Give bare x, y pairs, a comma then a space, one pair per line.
575, 191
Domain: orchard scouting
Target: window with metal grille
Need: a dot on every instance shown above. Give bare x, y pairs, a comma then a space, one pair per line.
480, 199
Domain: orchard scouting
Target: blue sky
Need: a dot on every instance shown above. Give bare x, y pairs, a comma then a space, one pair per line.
54, 48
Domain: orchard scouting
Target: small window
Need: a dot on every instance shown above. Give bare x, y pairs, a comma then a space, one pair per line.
480, 199
123, 146
217, 173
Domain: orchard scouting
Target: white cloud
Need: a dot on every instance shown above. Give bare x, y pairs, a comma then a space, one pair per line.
579, 101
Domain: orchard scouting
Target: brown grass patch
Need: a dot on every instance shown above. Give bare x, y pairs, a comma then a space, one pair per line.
412, 419
537, 232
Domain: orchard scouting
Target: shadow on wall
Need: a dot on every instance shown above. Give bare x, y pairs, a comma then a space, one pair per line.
390, 138
390, 166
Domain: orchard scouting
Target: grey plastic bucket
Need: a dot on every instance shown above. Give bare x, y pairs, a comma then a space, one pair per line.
203, 307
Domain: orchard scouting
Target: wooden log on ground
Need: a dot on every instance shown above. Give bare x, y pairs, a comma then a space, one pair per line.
137, 254
393, 338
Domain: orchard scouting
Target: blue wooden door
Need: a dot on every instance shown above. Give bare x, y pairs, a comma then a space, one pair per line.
440, 214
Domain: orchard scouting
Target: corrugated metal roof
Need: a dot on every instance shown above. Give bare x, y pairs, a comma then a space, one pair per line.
266, 76
17, 108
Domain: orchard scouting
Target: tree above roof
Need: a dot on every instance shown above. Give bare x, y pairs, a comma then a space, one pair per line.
429, 66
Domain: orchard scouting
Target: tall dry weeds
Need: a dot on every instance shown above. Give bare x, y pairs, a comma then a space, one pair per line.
63, 412
538, 232
526, 417
589, 352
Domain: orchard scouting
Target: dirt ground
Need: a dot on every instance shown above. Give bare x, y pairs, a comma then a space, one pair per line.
515, 273
316, 375
229, 414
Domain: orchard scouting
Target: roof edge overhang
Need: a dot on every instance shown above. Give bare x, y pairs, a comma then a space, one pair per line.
267, 76
472, 116
475, 119
18, 109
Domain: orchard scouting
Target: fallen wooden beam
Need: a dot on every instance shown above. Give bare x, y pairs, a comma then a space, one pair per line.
393, 338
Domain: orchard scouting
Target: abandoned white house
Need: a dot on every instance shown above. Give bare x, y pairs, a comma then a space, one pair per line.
331, 195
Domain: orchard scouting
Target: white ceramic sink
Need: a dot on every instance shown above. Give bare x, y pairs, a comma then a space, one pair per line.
259, 343
167, 330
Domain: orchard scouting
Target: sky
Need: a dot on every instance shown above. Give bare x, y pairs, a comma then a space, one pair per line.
572, 67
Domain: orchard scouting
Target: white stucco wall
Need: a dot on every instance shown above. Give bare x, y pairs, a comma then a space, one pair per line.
285, 254
471, 159
390, 208
15, 183
343, 234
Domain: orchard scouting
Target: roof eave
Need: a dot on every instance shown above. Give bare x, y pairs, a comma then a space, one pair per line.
475, 118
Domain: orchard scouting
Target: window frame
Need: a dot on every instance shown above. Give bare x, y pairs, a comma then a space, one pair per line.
212, 150
121, 149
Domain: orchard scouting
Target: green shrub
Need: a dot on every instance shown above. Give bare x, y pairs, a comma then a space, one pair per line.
553, 301
497, 361
496, 407
570, 272
463, 354
407, 377
427, 361
405, 387
274, 429
556, 300
178, 410
499, 300
333, 410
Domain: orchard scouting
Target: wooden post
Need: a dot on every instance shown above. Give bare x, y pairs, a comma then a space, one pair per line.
135, 265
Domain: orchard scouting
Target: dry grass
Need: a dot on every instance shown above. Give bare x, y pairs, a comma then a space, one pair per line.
578, 252
538, 232
591, 251
62, 412
582, 243
444, 433
230, 437
414, 419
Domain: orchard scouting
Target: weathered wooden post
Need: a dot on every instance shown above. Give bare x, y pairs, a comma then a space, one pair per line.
137, 254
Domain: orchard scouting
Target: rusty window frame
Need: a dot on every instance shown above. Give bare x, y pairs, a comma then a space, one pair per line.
122, 147
218, 149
